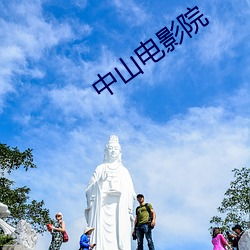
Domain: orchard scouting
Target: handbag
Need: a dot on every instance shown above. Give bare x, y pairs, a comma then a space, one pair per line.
49, 227
65, 236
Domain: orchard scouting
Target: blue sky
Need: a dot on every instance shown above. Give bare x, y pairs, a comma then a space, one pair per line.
183, 124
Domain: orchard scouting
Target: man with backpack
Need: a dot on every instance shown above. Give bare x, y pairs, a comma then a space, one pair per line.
144, 223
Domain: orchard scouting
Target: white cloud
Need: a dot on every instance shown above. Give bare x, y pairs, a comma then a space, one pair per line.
106, 62
32, 33
225, 31
242, 6
25, 35
240, 100
83, 72
85, 102
131, 12
80, 3
183, 167
218, 41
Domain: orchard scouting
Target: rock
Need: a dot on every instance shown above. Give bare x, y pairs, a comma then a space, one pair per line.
244, 242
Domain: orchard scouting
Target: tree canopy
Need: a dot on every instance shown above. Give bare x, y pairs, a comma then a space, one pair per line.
12, 159
235, 207
17, 199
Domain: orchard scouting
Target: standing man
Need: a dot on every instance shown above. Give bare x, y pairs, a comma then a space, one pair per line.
144, 223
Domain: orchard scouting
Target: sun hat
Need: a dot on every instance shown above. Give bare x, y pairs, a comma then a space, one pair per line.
59, 213
87, 229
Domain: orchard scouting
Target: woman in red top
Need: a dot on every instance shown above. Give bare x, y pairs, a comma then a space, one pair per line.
218, 240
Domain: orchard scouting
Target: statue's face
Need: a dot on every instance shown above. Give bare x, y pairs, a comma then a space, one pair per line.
114, 150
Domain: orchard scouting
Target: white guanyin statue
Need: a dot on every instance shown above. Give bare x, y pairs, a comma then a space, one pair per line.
110, 198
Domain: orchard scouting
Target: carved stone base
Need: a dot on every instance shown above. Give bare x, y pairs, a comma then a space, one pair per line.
13, 247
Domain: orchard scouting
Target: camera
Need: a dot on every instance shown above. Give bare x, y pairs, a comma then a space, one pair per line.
134, 235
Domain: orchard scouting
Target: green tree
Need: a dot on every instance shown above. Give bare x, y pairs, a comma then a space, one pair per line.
235, 206
17, 199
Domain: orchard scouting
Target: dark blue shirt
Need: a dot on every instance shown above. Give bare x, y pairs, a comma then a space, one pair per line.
84, 242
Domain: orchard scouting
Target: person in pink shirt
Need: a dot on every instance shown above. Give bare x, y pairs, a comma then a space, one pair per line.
218, 240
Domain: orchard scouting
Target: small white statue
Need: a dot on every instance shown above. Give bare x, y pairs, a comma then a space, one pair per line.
4, 211
25, 235
110, 198
244, 242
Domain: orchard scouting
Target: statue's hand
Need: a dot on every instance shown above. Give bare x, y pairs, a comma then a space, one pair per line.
89, 205
104, 176
90, 202
132, 217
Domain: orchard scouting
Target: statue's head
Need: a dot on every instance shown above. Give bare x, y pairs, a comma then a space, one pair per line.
4, 211
113, 150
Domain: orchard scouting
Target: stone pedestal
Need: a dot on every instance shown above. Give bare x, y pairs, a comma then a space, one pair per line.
13, 247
